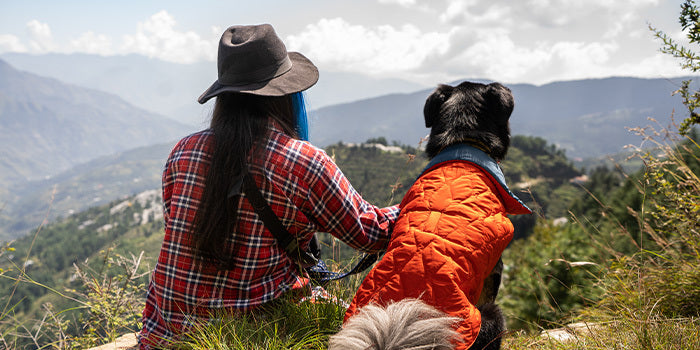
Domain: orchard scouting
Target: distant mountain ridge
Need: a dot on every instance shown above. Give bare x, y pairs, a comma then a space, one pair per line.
172, 89
587, 118
47, 126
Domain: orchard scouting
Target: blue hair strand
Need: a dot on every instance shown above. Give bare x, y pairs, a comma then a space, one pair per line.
302, 118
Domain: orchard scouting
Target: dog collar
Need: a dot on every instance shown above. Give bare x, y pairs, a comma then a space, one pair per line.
464, 152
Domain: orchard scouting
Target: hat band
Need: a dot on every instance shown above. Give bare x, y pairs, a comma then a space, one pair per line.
256, 76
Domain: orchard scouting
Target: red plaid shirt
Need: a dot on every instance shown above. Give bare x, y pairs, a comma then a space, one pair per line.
306, 190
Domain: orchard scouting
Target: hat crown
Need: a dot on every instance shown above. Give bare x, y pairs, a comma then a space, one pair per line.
251, 54
252, 59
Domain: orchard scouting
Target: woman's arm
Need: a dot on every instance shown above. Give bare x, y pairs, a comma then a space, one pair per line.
339, 210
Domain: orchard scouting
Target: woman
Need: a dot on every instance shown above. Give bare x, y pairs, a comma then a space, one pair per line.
217, 254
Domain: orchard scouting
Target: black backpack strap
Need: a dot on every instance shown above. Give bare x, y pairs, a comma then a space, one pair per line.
285, 239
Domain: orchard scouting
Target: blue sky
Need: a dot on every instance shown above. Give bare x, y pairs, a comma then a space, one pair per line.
426, 41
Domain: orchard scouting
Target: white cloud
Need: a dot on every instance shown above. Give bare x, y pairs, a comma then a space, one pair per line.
659, 65
158, 38
405, 3
92, 43
338, 45
537, 40
455, 9
578, 58
496, 56
41, 39
606, 15
11, 43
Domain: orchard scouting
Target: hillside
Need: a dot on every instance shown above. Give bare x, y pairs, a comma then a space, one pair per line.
94, 183
47, 127
551, 275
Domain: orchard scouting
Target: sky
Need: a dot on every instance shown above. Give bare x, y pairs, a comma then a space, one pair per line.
424, 41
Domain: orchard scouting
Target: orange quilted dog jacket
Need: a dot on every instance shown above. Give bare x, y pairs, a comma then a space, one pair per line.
450, 234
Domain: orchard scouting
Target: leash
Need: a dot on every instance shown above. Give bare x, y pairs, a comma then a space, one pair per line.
320, 274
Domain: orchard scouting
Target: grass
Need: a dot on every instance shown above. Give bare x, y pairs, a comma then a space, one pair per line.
626, 333
287, 325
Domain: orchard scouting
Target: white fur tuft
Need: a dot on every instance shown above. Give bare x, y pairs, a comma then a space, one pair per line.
408, 324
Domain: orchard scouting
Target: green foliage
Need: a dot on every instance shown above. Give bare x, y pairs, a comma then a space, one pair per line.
690, 22
380, 177
71, 266
662, 278
112, 299
107, 304
380, 140
629, 265
548, 277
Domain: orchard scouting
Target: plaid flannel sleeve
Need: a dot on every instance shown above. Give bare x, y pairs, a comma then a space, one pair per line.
340, 210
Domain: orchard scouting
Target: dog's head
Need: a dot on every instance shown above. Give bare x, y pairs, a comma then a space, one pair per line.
471, 113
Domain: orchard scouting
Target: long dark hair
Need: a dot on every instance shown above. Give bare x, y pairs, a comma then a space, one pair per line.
240, 126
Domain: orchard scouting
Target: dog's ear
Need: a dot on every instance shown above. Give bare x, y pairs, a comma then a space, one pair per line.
500, 101
431, 110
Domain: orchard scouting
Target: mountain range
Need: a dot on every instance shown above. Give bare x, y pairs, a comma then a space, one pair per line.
65, 147
586, 118
47, 126
172, 89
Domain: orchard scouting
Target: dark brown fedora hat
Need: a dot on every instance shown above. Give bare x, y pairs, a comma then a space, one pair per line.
253, 60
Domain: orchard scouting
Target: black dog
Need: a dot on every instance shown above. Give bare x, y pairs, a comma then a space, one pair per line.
453, 226
476, 114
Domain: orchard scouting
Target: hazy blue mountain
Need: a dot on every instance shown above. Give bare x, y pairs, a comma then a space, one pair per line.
591, 118
47, 127
587, 118
94, 183
172, 89
397, 117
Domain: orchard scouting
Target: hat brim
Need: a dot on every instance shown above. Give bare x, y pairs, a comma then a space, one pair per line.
300, 77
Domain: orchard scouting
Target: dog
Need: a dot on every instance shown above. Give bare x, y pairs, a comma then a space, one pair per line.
447, 242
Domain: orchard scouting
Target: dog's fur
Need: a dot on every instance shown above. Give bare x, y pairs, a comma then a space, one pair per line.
472, 113
406, 324
493, 324
469, 113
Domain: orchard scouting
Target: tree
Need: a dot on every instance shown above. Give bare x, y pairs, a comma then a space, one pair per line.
380, 140
690, 22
